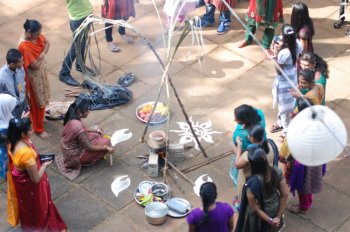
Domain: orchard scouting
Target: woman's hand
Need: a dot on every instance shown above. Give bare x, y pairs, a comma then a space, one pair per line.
45, 164
276, 222
109, 148
294, 93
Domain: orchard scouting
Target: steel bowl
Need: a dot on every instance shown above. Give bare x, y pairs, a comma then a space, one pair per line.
156, 213
160, 189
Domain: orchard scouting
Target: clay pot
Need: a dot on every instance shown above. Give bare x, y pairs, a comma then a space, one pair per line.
157, 140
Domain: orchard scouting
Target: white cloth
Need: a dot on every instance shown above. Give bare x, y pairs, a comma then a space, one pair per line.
7, 105
172, 7
281, 86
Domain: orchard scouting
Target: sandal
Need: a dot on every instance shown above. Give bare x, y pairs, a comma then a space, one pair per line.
296, 210
276, 128
128, 39
338, 24
113, 47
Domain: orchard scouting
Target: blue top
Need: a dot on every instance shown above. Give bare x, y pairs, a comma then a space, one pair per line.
7, 82
243, 133
218, 218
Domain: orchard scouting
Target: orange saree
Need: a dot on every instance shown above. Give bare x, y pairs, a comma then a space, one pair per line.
37, 84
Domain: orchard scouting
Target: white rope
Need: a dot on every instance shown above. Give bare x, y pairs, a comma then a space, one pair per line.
284, 75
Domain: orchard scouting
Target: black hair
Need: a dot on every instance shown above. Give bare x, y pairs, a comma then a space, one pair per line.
300, 18
78, 107
308, 56
257, 132
303, 103
13, 56
208, 194
247, 115
309, 75
289, 40
32, 26
16, 129
320, 64
259, 166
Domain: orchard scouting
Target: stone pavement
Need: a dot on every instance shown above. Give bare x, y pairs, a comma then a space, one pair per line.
228, 77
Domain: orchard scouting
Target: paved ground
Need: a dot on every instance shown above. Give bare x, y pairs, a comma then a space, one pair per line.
228, 77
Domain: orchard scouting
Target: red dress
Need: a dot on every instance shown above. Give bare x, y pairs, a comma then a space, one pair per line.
272, 7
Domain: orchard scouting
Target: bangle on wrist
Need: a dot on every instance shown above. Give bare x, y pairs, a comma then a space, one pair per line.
270, 221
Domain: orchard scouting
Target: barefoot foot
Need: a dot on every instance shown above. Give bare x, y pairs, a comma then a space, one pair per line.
44, 135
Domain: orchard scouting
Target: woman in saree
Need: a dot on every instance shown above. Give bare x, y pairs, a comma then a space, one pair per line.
29, 194
314, 62
79, 145
7, 105
34, 48
264, 196
258, 140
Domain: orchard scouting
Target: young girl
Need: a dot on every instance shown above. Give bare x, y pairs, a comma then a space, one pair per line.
117, 9
214, 216
309, 60
287, 52
258, 140
308, 87
264, 196
303, 25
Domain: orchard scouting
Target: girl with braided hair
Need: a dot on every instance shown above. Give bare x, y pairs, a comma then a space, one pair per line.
214, 216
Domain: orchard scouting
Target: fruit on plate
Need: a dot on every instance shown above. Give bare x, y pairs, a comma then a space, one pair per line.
159, 115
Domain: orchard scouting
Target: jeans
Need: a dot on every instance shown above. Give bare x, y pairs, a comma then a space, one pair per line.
71, 56
109, 31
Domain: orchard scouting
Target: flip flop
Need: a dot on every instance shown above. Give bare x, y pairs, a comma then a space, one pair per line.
276, 128
113, 47
128, 39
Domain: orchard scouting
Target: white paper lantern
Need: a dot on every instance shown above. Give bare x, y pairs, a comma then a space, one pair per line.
316, 136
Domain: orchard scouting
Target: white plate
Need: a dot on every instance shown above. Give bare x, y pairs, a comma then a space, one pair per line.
173, 213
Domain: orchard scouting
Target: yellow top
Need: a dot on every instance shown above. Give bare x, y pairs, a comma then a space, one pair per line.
23, 158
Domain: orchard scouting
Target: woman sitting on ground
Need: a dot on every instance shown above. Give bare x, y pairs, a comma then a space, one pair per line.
314, 62
215, 216
264, 196
79, 145
29, 194
258, 140
308, 87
